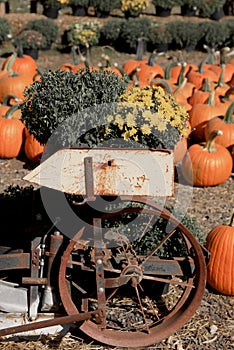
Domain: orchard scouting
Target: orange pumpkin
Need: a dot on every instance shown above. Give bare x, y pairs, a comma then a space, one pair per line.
22, 64
32, 148
224, 123
180, 150
220, 269
14, 83
207, 163
199, 115
11, 137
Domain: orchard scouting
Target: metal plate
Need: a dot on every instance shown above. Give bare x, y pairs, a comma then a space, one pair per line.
115, 172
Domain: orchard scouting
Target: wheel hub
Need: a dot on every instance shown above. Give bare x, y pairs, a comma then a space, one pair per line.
135, 272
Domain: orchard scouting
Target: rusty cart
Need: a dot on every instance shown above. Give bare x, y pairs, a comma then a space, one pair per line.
116, 263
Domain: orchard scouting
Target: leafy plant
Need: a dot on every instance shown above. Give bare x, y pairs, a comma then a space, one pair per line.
30, 39
83, 33
69, 93
214, 34
135, 28
166, 4
134, 7
160, 33
208, 7
47, 27
184, 33
5, 30
103, 7
110, 32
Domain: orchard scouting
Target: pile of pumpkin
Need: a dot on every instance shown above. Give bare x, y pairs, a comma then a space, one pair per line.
206, 153
16, 74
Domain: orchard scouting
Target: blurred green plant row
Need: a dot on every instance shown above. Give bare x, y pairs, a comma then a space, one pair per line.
123, 34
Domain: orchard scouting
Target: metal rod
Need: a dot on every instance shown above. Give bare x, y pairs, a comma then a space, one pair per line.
48, 323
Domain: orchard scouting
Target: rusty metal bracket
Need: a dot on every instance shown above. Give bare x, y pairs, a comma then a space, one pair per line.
48, 323
89, 184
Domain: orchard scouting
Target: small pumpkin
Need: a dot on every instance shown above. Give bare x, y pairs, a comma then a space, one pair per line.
32, 148
220, 269
207, 163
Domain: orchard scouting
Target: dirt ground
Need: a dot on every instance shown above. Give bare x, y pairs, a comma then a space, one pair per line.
212, 326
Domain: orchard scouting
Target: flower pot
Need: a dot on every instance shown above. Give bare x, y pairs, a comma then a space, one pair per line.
102, 14
79, 10
51, 12
34, 53
217, 14
188, 11
162, 12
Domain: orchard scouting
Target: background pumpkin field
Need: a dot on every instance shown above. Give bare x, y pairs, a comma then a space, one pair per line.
212, 326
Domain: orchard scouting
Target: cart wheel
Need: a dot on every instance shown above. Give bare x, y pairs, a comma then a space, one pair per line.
147, 276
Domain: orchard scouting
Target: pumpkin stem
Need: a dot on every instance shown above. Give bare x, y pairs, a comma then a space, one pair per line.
211, 99
10, 62
19, 49
223, 55
229, 92
210, 143
206, 85
181, 77
231, 222
221, 77
167, 70
140, 49
74, 55
228, 115
6, 101
164, 83
11, 110
152, 58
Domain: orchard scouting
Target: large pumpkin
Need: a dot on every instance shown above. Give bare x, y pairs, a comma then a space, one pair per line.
207, 163
11, 137
224, 123
220, 270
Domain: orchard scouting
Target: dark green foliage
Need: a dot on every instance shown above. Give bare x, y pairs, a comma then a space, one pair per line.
60, 94
160, 33
230, 27
47, 27
166, 4
184, 33
102, 7
214, 34
5, 30
111, 31
208, 7
135, 28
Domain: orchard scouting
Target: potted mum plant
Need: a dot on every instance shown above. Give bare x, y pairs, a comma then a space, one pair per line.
79, 7
212, 9
5, 30
163, 7
102, 8
51, 7
84, 35
160, 36
133, 8
47, 27
30, 41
